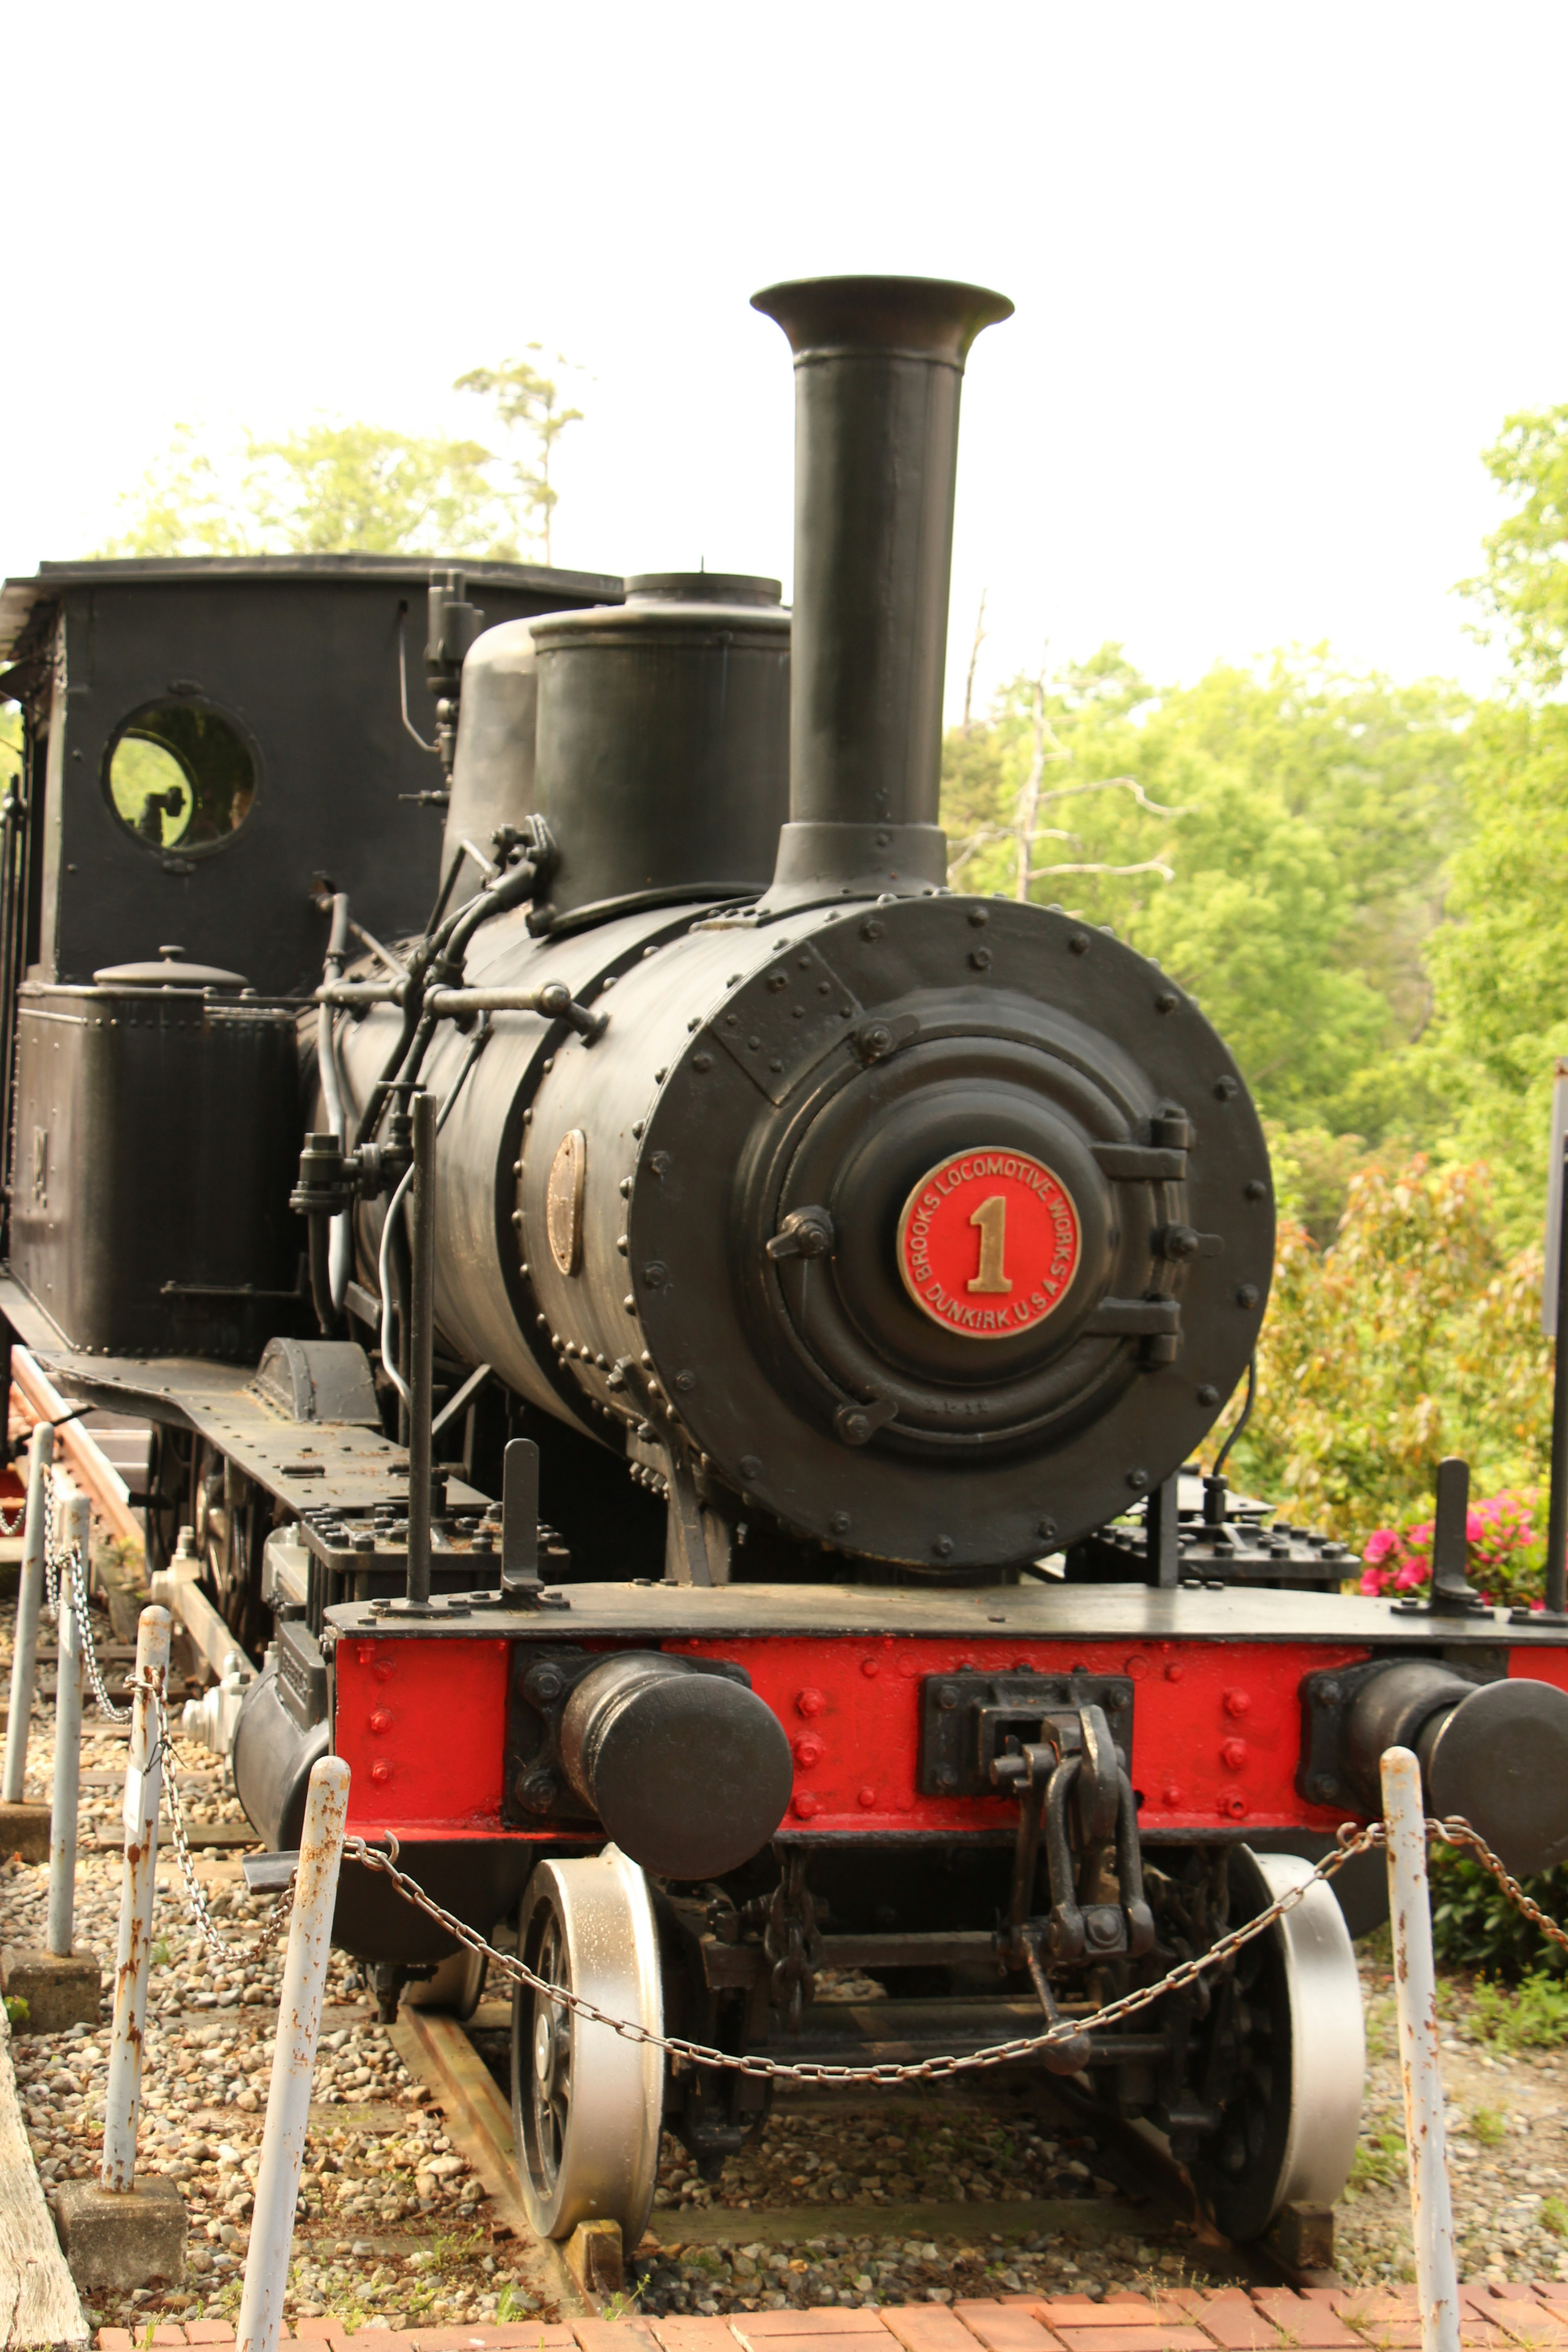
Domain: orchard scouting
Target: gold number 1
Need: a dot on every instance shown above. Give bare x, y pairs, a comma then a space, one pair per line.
991, 1217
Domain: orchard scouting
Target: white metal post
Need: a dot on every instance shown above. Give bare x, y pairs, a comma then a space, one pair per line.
143, 1787
1415, 1990
294, 2058
76, 1522
29, 1598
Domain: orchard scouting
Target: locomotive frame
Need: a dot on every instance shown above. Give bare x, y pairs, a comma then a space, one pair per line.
606, 1444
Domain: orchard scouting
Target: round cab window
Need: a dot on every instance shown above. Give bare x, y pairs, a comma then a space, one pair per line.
180, 776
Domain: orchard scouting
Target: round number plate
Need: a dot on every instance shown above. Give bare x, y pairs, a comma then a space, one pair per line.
988, 1243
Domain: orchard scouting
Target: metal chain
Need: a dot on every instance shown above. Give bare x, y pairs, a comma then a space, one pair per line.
998, 2053
1456, 1830
75, 1570
106, 1705
51, 1567
277, 1920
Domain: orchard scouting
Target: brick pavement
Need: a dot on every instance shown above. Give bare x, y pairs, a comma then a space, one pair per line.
1531, 2317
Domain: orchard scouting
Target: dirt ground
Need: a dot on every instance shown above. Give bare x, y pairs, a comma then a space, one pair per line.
394, 2228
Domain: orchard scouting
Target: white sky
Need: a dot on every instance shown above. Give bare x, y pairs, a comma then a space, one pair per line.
1280, 270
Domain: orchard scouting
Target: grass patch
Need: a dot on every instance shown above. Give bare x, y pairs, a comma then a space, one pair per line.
1529, 2015
1378, 2163
1488, 2126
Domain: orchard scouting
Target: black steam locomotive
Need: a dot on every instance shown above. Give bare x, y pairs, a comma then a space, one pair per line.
700, 1422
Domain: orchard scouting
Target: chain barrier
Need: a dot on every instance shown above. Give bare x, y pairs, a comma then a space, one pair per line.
197, 1904
1453, 1831
73, 1567
998, 2053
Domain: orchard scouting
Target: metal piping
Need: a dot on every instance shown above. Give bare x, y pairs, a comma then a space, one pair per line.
878, 363
340, 1254
421, 1343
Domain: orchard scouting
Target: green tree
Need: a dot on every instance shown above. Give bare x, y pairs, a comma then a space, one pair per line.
330, 485
323, 489
1524, 586
1500, 967
1276, 837
528, 402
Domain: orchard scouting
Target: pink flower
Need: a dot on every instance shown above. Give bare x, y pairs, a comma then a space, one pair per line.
1475, 1527
1373, 1583
1378, 1547
1411, 1572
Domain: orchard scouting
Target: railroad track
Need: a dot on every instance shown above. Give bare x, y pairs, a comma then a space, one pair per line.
463, 2067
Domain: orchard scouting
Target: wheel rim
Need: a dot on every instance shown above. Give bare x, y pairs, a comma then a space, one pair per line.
586, 2103
1292, 2109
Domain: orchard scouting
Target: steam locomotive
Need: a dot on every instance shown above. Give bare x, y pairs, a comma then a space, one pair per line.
700, 1420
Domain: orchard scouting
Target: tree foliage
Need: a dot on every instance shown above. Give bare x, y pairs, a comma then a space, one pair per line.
1500, 966
1276, 837
1524, 586
331, 485
528, 402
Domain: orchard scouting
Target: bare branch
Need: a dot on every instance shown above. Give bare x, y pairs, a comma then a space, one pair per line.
973, 657
1115, 783
1097, 866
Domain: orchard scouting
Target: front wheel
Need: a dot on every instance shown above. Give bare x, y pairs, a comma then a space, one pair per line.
1292, 2052
586, 2104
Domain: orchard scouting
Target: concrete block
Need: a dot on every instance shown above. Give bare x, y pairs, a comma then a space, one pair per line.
120, 2240
58, 1992
25, 1831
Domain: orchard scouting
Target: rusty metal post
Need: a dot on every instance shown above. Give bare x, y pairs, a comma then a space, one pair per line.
1416, 1988
29, 1599
75, 1518
143, 1788
294, 2058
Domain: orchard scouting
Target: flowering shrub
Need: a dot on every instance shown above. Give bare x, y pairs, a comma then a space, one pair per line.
1503, 1557
1413, 1335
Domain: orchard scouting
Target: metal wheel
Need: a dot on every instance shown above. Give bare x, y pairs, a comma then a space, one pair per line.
1287, 2050
587, 2105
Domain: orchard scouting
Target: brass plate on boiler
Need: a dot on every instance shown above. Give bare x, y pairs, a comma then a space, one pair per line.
564, 1201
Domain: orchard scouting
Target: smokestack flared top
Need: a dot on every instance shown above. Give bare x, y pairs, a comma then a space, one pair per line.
913, 318
879, 361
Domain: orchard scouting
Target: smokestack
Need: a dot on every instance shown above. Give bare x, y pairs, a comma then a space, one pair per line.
878, 363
